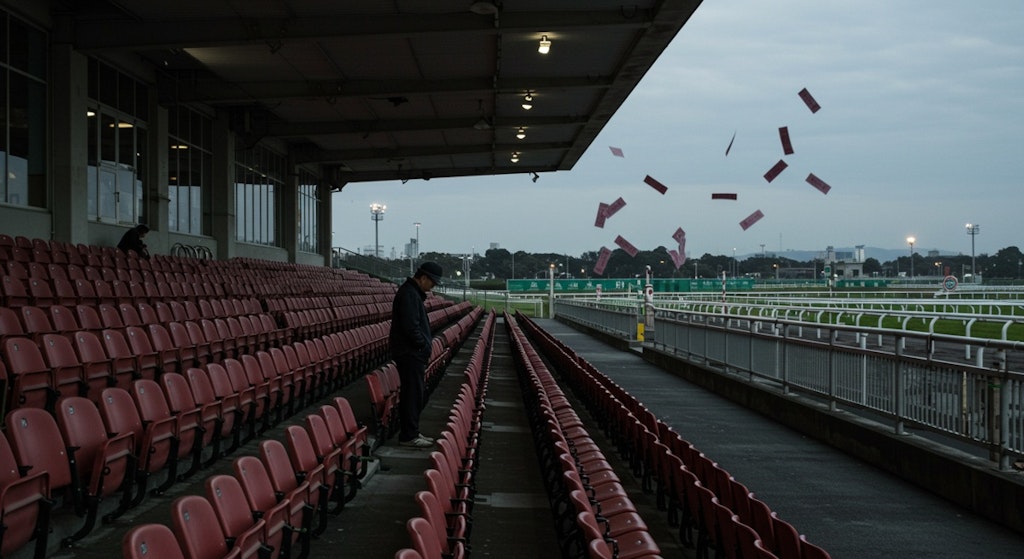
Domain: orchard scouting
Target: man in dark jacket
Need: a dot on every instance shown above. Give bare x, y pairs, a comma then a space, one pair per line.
132, 240
410, 339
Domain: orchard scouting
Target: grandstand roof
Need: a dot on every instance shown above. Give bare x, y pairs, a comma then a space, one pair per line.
408, 89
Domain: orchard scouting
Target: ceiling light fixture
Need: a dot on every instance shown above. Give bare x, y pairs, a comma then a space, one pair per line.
521, 133
482, 124
483, 8
545, 45
528, 102
515, 157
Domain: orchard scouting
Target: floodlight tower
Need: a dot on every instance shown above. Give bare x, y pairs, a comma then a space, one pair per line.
377, 215
973, 229
910, 241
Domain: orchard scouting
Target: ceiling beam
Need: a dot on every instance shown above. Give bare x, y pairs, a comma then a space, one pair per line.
94, 34
279, 129
214, 91
301, 156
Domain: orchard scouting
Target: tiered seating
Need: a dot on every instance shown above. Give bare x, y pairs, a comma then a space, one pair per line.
156, 368
444, 526
698, 494
594, 513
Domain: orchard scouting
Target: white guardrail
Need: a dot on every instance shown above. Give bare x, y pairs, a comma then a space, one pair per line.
922, 380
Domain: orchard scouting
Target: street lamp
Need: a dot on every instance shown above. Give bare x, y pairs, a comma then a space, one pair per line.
735, 267
910, 241
973, 229
376, 214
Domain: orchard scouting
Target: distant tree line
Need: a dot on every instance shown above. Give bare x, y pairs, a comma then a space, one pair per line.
501, 264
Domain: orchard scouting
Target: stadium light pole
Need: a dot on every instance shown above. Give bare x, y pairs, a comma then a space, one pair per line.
973, 229
377, 214
910, 241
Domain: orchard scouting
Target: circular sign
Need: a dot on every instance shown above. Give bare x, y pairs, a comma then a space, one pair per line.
949, 283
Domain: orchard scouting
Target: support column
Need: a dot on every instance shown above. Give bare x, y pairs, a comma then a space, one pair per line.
289, 212
69, 94
325, 221
222, 207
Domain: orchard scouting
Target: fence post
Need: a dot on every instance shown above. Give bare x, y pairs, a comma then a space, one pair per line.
898, 400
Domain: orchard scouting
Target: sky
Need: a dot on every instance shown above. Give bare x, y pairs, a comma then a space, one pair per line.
921, 131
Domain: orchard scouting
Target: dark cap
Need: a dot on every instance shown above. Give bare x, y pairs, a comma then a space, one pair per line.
432, 270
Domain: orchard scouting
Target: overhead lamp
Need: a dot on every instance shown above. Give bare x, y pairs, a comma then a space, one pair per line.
544, 46
515, 157
528, 102
482, 124
483, 8
521, 133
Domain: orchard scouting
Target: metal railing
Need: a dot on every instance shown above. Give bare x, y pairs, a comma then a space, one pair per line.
911, 379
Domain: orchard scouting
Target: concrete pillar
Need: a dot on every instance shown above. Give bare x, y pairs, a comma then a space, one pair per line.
288, 212
222, 207
69, 95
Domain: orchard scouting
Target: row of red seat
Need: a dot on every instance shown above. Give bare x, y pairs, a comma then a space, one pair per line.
697, 492
383, 383
594, 514
272, 502
443, 526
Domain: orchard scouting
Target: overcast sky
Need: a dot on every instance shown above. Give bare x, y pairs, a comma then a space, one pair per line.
921, 131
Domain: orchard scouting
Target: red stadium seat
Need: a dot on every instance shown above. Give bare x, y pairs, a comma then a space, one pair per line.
150, 541
101, 465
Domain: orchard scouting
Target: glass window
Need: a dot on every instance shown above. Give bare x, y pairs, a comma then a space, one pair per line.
258, 174
23, 113
189, 162
309, 206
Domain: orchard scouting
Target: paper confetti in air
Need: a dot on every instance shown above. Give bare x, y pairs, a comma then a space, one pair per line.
602, 260
723, 196
787, 146
617, 152
677, 259
774, 171
615, 206
818, 183
809, 101
655, 184
602, 214
751, 219
626, 246
729, 147
679, 235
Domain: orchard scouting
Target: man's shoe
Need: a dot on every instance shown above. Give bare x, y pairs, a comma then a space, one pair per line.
428, 439
418, 442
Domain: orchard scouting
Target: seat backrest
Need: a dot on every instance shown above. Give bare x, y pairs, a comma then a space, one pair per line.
150, 541
38, 445
88, 318
102, 462
20, 501
431, 511
129, 315
150, 400
25, 360
196, 526
63, 319
35, 320
424, 537
10, 324
110, 316
227, 498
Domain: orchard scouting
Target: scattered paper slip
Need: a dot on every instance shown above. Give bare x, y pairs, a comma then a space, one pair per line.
809, 101
818, 183
729, 147
602, 214
626, 246
775, 170
751, 219
655, 184
679, 235
678, 259
617, 152
602, 260
723, 196
787, 145
615, 206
